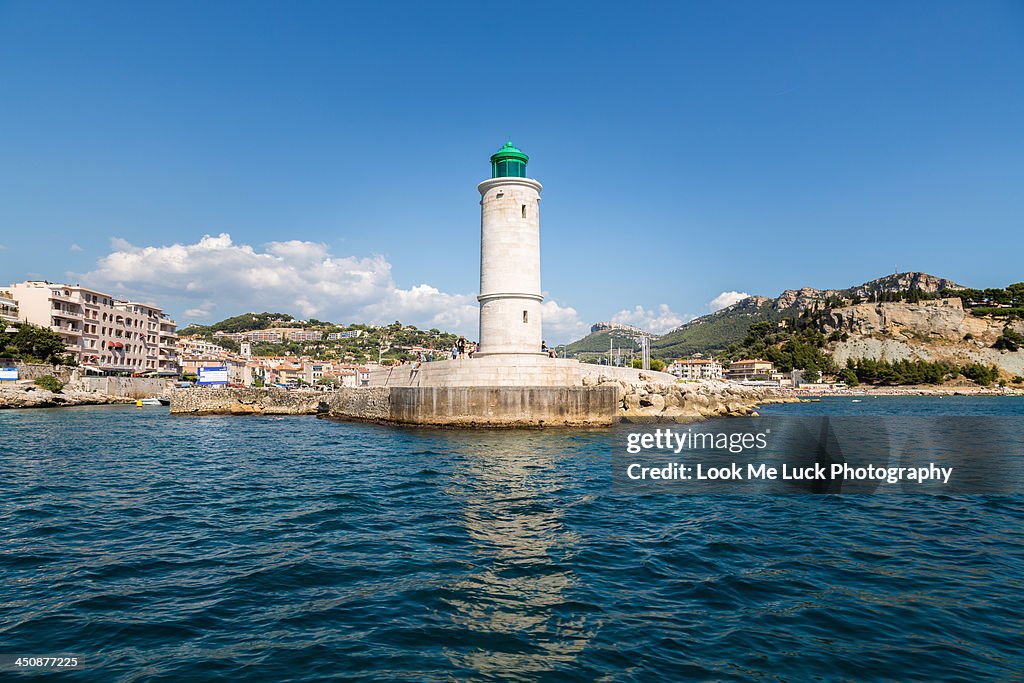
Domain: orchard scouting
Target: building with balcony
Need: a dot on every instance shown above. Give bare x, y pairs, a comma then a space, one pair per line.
8, 308
698, 368
101, 332
756, 368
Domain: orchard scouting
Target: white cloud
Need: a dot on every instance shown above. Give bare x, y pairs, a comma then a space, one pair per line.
3, 247
561, 323
74, 247
726, 299
215, 278
658, 321
200, 312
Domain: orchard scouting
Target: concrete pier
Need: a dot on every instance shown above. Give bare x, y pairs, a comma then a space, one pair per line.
420, 406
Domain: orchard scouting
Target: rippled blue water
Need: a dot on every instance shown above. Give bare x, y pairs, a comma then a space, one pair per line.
298, 549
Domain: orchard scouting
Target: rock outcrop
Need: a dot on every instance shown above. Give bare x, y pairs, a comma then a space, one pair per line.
655, 401
808, 297
27, 395
934, 330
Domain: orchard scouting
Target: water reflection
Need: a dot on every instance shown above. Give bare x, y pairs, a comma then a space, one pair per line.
515, 601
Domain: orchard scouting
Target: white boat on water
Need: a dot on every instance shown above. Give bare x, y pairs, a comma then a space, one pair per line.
153, 402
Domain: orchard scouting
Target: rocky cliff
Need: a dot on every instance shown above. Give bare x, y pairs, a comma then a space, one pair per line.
935, 330
808, 297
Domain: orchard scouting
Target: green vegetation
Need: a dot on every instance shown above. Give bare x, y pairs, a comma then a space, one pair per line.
656, 364
1011, 295
712, 334
1006, 301
247, 322
982, 374
883, 372
793, 344
916, 372
388, 342
32, 344
1009, 340
50, 383
596, 344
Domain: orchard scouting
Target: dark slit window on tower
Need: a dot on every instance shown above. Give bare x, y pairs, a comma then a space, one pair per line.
524, 210
526, 317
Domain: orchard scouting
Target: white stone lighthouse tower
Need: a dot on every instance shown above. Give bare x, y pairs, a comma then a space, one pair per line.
510, 295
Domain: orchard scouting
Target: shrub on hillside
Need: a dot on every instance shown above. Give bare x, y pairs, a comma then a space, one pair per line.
982, 374
50, 383
1009, 340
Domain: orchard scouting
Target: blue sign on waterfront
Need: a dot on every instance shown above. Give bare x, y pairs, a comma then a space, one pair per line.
213, 376
8, 374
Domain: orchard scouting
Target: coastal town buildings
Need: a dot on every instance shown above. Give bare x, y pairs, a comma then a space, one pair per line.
756, 368
194, 345
697, 368
101, 332
244, 369
274, 335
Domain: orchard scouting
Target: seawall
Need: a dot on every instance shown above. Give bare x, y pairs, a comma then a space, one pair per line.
597, 404
422, 406
253, 401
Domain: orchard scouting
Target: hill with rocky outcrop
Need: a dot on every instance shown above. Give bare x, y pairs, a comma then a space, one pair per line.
904, 316
711, 334
602, 336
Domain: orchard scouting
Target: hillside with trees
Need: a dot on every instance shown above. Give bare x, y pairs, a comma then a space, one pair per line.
938, 330
360, 344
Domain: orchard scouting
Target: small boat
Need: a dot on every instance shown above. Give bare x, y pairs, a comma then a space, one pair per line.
856, 400
161, 401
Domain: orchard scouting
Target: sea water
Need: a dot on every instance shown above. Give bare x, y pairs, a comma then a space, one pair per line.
300, 549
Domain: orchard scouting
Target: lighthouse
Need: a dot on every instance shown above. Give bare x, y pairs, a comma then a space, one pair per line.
510, 295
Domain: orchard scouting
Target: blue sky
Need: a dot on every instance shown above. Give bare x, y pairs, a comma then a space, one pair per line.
686, 149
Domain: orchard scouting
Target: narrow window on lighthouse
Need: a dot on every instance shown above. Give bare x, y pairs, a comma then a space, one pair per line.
524, 210
526, 317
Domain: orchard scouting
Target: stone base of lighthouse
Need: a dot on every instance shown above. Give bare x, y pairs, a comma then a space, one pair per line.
506, 390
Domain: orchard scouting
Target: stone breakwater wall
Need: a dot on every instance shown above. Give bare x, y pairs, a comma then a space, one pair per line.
424, 406
683, 401
35, 371
602, 401
123, 387
263, 401
364, 403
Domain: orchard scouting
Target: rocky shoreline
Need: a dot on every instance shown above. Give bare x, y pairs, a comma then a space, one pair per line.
684, 401
37, 397
916, 391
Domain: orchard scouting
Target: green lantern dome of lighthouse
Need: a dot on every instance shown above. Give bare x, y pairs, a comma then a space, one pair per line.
509, 162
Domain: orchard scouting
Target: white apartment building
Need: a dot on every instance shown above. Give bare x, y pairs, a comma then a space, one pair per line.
741, 370
703, 368
100, 331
